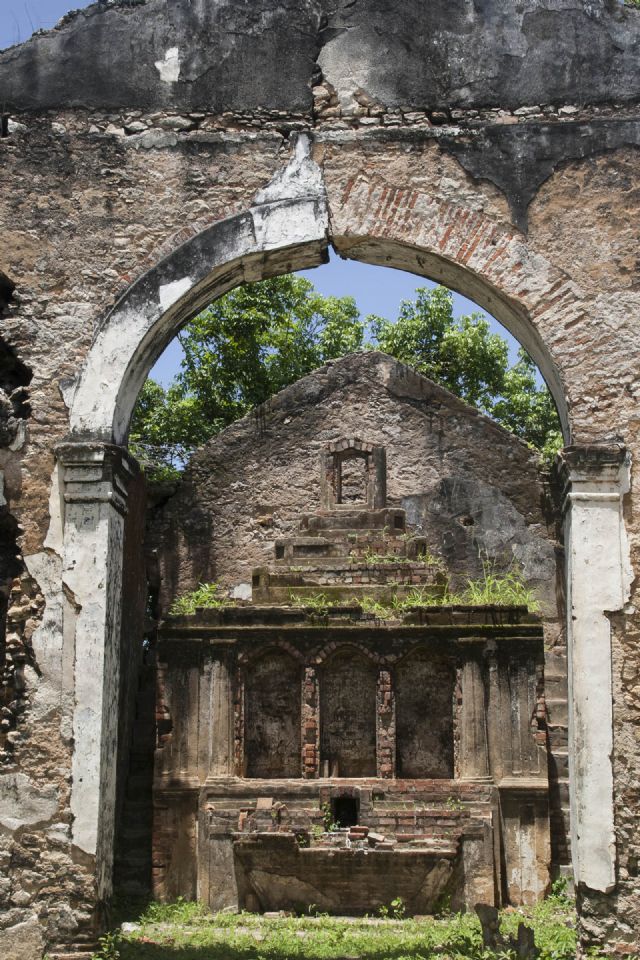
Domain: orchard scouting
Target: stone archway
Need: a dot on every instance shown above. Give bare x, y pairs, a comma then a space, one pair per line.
290, 227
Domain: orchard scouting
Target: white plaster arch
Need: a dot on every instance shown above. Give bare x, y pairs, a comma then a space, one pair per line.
269, 239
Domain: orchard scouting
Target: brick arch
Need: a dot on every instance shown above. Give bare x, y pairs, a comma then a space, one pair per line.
470, 252
462, 248
283, 646
335, 648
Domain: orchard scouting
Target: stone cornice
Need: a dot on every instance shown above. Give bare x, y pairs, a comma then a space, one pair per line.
96, 472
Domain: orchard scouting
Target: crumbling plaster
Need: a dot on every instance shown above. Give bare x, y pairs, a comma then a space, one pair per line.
110, 168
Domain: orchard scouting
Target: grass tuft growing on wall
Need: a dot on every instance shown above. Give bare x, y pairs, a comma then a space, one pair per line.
205, 595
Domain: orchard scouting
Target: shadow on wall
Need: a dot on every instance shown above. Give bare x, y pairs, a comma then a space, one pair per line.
15, 377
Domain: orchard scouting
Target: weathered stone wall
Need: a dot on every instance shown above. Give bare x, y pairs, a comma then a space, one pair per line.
497, 152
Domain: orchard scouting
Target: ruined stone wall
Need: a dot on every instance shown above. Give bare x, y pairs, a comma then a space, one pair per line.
491, 148
468, 486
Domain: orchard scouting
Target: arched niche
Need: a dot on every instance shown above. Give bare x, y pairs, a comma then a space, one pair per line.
348, 683
272, 715
425, 687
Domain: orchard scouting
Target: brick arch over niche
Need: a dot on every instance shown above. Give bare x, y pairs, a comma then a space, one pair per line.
464, 249
290, 227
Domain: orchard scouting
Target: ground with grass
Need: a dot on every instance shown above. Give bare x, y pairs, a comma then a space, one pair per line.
186, 931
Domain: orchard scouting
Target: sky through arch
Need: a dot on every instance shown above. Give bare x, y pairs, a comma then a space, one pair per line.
376, 290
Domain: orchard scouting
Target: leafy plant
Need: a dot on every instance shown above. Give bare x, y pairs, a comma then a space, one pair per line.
109, 946
205, 595
316, 603
397, 908
330, 825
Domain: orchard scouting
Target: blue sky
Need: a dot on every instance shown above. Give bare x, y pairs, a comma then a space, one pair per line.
20, 18
376, 289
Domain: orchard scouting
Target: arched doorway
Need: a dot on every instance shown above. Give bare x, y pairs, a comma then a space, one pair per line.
468, 252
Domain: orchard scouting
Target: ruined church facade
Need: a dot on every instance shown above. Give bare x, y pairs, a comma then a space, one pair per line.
155, 155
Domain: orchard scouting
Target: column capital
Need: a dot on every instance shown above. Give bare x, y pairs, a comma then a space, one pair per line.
96, 472
591, 472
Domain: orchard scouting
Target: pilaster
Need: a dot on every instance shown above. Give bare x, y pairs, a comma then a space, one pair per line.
95, 478
594, 480
473, 749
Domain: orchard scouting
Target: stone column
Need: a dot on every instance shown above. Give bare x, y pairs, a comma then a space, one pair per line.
598, 578
222, 761
95, 477
473, 749
386, 726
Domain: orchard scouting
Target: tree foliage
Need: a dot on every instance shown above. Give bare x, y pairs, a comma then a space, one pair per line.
260, 337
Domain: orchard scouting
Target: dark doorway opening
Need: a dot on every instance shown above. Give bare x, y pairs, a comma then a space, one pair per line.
345, 811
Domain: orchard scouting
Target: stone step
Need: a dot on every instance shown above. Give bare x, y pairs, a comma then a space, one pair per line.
382, 574
558, 737
319, 549
383, 593
394, 519
557, 710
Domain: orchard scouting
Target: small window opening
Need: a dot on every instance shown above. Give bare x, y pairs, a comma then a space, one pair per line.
344, 811
255, 580
352, 485
279, 551
398, 521
4, 125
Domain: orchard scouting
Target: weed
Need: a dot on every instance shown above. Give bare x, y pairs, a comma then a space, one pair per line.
109, 946
504, 589
181, 911
330, 825
374, 608
205, 595
317, 603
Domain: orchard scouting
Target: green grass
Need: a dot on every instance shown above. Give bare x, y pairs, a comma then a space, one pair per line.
504, 589
205, 595
186, 931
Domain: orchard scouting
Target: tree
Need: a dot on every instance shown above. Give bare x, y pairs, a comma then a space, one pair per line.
263, 336
237, 353
462, 355
527, 409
